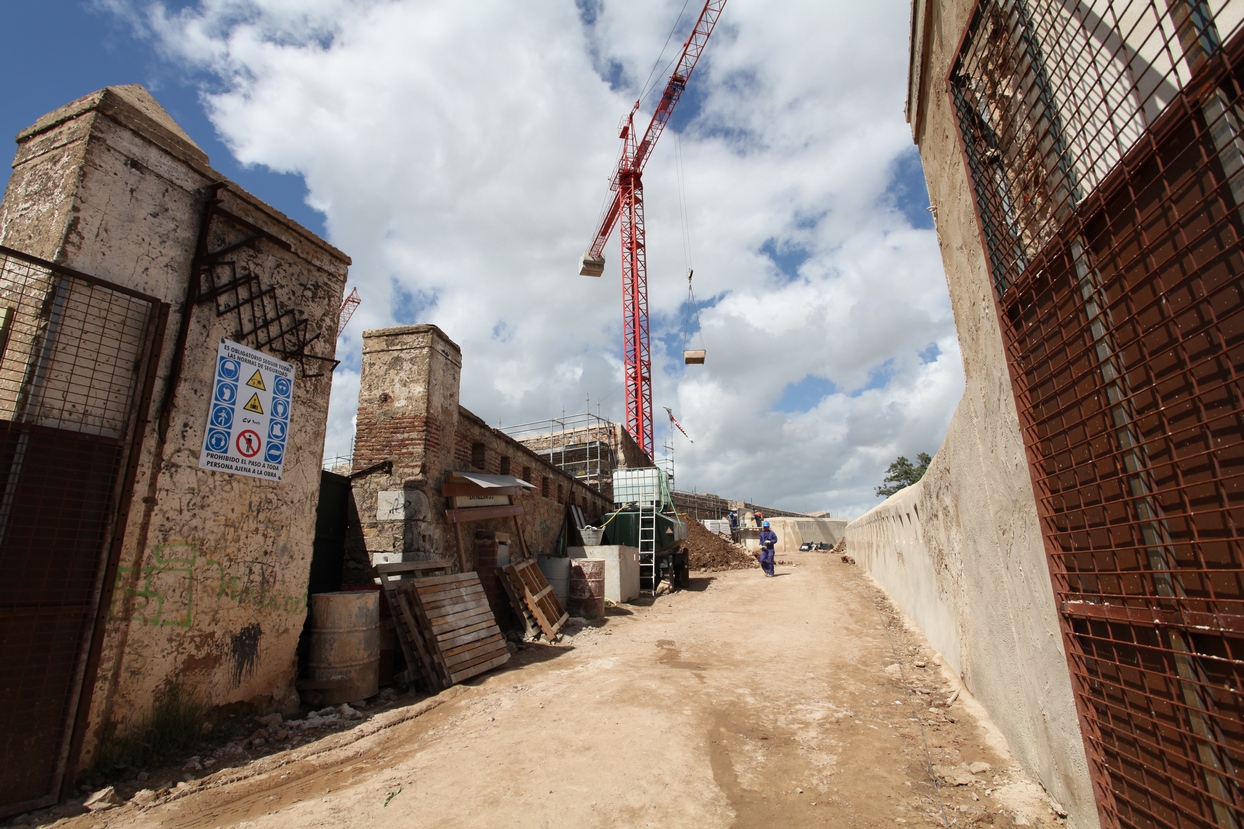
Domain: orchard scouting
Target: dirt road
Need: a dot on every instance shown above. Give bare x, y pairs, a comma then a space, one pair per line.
746, 701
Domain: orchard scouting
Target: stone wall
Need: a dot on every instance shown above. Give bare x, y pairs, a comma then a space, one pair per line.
210, 588
961, 552
411, 433
545, 506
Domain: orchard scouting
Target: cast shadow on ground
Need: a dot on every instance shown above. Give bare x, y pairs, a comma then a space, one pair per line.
532, 654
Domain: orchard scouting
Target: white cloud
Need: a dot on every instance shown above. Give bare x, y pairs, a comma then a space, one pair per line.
460, 154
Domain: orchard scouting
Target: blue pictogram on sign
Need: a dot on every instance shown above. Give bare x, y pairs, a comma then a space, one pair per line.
217, 441
247, 428
277, 430
229, 369
222, 416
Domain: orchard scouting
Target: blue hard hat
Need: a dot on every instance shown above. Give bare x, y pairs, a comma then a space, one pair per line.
765, 524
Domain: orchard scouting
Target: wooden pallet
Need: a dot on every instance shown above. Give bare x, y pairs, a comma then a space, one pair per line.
520, 606
458, 627
394, 579
533, 598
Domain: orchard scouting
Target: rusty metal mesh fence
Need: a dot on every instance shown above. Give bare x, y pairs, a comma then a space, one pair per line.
1103, 141
73, 362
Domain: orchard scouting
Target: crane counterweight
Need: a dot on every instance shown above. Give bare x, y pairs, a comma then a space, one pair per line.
591, 265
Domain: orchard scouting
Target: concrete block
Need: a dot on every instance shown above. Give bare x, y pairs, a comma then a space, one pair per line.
621, 569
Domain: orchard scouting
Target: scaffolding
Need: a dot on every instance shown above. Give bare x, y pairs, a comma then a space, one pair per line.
583, 445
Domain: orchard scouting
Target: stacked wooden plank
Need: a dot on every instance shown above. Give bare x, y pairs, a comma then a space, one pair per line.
458, 626
444, 624
533, 598
395, 579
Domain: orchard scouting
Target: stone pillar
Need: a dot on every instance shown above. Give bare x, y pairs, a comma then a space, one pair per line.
407, 416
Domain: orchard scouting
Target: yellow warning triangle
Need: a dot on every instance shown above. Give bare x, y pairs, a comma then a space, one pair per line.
256, 382
253, 405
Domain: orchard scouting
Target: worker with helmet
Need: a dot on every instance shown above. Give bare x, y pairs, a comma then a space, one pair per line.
767, 539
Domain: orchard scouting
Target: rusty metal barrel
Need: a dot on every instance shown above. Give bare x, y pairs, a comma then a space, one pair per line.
587, 587
345, 645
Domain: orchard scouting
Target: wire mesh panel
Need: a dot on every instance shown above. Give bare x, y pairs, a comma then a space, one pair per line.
1103, 140
74, 355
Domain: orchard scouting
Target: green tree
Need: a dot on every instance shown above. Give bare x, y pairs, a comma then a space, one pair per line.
903, 473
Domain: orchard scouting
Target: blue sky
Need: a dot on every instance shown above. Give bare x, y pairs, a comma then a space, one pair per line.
94, 48
460, 152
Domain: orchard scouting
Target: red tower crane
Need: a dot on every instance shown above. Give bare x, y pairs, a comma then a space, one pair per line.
347, 310
628, 205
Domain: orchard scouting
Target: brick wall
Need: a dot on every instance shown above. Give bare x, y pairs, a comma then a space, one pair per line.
409, 416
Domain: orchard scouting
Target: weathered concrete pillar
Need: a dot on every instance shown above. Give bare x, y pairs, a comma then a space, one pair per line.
407, 416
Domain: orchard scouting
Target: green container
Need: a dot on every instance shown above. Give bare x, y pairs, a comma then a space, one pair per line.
622, 528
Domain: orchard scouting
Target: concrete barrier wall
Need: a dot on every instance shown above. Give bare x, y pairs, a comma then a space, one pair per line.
961, 555
961, 552
792, 532
889, 543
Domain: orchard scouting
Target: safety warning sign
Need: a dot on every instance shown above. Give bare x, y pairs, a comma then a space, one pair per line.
247, 427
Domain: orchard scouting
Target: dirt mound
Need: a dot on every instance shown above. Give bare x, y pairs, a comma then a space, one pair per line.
707, 551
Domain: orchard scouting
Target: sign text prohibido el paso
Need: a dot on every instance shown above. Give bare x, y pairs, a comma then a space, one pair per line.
248, 418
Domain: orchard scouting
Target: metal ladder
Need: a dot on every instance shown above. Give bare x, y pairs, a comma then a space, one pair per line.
648, 541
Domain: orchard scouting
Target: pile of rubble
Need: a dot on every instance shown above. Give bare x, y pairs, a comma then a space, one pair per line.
709, 552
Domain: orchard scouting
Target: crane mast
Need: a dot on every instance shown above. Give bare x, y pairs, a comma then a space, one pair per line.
627, 209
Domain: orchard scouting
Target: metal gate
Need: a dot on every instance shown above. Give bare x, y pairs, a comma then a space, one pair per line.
77, 361
1104, 142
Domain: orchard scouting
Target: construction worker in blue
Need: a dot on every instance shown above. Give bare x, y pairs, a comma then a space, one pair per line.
767, 539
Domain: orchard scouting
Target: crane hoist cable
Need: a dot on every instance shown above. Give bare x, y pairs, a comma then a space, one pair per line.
682, 202
692, 356
649, 87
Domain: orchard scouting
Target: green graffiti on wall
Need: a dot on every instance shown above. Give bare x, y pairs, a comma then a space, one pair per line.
164, 594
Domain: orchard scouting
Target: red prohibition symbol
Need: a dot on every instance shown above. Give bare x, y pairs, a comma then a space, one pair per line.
248, 443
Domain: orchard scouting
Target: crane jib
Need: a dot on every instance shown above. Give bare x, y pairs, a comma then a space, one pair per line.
627, 206
692, 50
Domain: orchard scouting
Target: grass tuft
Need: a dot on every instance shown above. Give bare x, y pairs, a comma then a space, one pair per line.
175, 725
